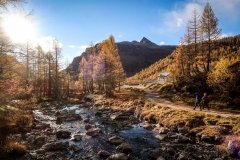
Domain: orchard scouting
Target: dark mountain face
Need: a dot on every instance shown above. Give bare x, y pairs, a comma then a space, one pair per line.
135, 56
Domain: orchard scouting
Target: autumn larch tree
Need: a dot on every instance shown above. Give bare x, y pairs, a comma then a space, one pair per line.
210, 30
113, 70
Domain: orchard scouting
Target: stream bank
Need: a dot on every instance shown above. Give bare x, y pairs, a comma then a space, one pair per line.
102, 131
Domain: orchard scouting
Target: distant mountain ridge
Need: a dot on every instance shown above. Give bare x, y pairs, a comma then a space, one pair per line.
134, 55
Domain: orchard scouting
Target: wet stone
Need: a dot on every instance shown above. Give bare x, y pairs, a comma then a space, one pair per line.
208, 139
77, 137
74, 148
63, 134
87, 120
125, 148
148, 126
88, 126
39, 141
115, 140
103, 154
93, 132
163, 130
118, 156
183, 130
54, 146
42, 126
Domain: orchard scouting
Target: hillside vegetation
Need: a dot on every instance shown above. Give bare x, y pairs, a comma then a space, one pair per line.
225, 48
203, 62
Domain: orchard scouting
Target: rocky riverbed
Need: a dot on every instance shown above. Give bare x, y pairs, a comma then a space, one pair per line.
88, 131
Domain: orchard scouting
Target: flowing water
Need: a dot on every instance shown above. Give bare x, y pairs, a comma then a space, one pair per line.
138, 137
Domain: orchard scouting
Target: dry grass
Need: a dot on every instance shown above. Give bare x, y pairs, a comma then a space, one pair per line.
14, 148
13, 120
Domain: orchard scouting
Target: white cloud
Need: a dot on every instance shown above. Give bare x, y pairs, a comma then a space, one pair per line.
173, 21
71, 46
47, 43
162, 43
80, 47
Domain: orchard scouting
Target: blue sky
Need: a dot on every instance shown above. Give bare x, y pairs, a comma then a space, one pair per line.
77, 23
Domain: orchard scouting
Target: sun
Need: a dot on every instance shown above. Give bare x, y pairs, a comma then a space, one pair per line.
18, 27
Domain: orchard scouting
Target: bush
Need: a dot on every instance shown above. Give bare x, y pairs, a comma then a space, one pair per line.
15, 149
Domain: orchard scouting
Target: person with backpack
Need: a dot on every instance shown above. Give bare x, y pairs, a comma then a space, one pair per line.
206, 101
198, 99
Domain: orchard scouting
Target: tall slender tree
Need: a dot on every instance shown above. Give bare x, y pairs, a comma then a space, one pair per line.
210, 30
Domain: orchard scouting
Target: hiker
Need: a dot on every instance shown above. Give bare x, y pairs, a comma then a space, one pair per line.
198, 99
206, 101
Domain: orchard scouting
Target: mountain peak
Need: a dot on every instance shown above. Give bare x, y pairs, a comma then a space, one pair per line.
147, 42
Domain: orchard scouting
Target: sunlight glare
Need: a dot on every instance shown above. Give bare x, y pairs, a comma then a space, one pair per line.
18, 28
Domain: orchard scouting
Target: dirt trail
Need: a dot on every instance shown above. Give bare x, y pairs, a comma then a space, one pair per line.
179, 105
154, 97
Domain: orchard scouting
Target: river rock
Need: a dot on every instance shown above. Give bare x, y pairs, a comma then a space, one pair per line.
103, 154
118, 156
39, 141
74, 148
63, 134
93, 132
151, 153
160, 158
88, 126
172, 135
87, 120
161, 137
183, 130
77, 137
163, 130
115, 140
183, 139
148, 126
183, 156
42, 126
69, 110
208, 139
55, 146
125, 148
30, 138
69, 117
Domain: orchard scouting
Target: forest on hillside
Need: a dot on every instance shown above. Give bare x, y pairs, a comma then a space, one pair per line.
203, 60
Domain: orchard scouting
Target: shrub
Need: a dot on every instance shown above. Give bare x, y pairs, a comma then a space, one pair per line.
14, 148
